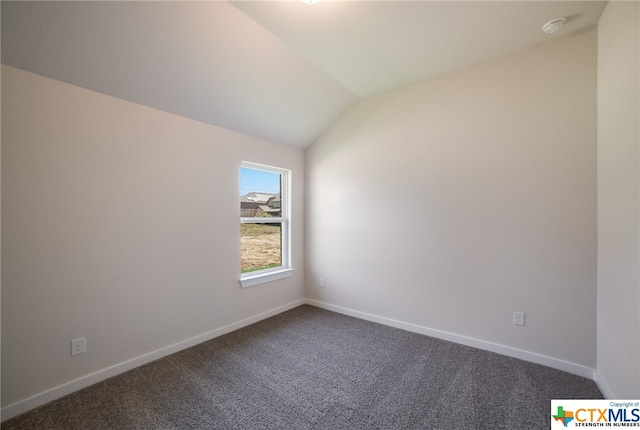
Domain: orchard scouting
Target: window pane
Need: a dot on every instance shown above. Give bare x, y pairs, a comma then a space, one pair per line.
260, 193
261, 246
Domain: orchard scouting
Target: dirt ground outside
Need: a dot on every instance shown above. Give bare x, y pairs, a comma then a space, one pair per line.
261, 246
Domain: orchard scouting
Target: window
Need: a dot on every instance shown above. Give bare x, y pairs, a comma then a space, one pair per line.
264, 224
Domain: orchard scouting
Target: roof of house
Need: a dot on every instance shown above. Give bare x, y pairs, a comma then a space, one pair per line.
269, 209
257, 197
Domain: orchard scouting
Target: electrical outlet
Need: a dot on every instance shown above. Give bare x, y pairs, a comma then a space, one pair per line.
78, 346
518, 318
321, 282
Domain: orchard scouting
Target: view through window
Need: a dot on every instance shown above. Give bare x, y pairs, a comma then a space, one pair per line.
263, 218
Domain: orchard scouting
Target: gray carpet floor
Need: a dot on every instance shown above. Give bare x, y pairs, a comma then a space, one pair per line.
309, 368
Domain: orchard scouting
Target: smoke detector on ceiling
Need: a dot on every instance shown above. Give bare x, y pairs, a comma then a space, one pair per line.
553, 25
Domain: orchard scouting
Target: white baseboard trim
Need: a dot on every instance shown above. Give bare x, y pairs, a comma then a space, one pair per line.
602, 385
40, 399
533, 357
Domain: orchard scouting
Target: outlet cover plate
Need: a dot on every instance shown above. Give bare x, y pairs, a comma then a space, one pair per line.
518, 318
78, 346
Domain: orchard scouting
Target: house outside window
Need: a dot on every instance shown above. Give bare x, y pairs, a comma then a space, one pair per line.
264, 223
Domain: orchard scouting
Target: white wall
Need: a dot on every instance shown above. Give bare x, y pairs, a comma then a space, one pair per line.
120, 223
450, 203
618, 202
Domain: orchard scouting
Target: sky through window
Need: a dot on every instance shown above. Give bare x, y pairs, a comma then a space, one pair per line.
253, 180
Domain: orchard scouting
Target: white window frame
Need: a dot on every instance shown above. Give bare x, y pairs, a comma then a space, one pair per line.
258, 277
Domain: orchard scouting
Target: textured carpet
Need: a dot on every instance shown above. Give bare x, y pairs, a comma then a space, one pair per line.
309, 368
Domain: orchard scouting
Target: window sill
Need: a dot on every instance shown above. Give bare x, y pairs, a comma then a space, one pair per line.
262, 278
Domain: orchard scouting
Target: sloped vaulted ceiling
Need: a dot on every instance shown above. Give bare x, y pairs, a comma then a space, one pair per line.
204, 60
282, 70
